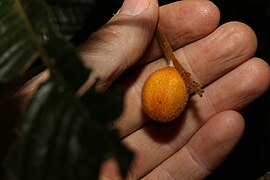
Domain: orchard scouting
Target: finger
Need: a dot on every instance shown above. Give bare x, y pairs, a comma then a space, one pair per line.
184, 22
231, 92
121, 42
109, 170
205, 150
106, 52
223, 50
207, 59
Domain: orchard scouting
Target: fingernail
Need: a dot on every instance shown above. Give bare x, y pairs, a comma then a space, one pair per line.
134, 7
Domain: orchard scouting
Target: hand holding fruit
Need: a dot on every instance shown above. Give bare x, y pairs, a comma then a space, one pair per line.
217, 57
123, 51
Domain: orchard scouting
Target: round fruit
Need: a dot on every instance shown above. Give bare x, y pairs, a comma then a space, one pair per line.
164, 95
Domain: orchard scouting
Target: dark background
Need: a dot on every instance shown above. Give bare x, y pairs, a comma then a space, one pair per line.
251, 157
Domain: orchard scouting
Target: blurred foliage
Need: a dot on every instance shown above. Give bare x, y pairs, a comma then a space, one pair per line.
76, 19
60, 136
71, 15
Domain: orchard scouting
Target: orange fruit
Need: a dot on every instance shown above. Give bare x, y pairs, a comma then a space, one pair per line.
164, 95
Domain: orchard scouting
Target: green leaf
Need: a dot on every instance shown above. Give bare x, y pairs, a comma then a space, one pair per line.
60, 139
58, 55
17, 48
104, 102
60, 136
71, 15
26, 31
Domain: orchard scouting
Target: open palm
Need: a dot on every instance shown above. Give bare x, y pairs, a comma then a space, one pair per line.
220, 58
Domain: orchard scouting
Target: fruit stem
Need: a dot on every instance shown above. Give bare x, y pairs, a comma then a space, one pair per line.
171, 59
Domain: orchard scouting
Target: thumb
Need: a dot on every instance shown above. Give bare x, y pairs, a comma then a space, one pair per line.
119, 43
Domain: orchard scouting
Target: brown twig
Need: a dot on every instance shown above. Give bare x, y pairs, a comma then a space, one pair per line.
171, 59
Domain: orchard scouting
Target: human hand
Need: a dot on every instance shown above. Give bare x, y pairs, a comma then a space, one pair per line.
219, 58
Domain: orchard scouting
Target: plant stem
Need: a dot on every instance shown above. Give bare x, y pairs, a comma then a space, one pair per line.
171, 59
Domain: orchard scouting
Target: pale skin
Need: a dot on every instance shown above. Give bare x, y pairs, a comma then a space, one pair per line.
221, 58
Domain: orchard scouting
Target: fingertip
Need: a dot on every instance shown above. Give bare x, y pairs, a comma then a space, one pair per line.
257, 77
184, 22
198, 17
219, 136
139, 9
208, 12
242, 37
263, 70
230, 125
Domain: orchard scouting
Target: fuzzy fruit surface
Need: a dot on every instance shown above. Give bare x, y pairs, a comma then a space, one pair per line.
164, 95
